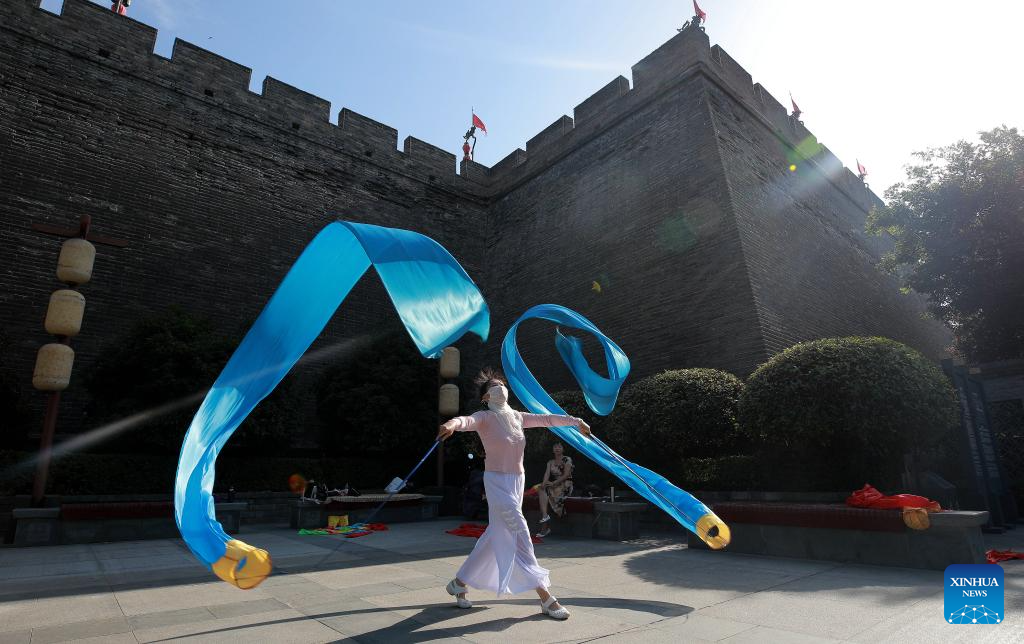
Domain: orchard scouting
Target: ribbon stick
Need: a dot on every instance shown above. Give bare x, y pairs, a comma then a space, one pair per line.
601, 394
436, 300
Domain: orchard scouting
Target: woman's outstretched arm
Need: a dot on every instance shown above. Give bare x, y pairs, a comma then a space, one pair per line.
555, 420
460, 424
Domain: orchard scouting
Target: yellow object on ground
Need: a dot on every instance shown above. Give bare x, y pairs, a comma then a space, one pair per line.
333, 521
243, 565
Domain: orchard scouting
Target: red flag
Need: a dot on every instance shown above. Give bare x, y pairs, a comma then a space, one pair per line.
699, 12
861, 170
477, 123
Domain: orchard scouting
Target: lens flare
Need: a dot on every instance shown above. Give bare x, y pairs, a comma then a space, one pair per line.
138, 420
677, 233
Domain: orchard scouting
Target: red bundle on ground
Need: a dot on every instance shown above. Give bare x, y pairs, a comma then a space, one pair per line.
475, 530
869, 497
995, 556
468, 530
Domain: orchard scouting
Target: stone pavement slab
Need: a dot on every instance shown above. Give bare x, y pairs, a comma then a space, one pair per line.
388, 587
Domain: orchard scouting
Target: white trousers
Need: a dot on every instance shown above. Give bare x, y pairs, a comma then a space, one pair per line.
503, 560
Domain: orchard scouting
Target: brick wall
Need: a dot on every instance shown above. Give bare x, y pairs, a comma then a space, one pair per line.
215, 188
671, 192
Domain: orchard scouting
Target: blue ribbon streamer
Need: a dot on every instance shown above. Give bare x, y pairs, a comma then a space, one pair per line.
600, 394
434, 297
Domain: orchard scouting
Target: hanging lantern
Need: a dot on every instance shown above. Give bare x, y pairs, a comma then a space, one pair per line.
450, 362
74, 266
448, 403
53, 367
64, 315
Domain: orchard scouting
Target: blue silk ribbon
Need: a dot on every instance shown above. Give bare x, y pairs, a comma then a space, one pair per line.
436, 300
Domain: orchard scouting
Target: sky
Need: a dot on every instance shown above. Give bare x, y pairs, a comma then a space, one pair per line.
875, 80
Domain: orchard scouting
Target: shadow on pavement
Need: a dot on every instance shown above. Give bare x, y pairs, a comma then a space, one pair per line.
407, 630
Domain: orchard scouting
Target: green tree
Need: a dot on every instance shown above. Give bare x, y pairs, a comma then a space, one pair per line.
382, 400
958, 225
163, 365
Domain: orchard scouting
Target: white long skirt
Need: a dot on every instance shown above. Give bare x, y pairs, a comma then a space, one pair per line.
503, 560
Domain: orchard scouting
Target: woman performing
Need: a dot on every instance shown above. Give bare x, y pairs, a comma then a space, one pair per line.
503, 560
555, 488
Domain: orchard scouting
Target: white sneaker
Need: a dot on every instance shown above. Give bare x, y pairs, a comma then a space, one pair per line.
545, 518
560, 613
455, 590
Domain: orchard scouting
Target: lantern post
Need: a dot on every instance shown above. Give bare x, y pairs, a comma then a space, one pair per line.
447, 397
64, 314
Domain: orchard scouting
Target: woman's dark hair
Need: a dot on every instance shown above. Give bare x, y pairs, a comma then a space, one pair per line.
559, 443
486, 378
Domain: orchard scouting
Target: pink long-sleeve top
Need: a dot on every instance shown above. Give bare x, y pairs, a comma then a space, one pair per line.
502, 435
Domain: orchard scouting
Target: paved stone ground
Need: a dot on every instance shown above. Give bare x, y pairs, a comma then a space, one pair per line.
387, 587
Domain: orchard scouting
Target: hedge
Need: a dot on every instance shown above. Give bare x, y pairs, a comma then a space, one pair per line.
679, 423
832, 414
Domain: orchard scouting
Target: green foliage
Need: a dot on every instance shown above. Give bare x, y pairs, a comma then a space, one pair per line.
667, 422
381, 400
684, 413
161, 370
834, 414
958, 225
719, 473
154, 473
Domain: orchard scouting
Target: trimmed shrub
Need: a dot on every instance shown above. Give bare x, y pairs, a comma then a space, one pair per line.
679, 414
832, 414
661, 422
720, 473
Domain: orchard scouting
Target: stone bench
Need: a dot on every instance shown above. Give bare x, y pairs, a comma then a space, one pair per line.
401, 508
102, 522
837, 532
590, 518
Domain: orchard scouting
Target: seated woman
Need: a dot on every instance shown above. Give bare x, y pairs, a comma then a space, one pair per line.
555, 488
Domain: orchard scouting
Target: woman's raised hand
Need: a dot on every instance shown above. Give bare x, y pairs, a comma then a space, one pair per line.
584, 428
444, 432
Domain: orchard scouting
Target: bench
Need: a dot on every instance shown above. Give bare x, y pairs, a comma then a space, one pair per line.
399, 509
102, 522
590, 518
837, 532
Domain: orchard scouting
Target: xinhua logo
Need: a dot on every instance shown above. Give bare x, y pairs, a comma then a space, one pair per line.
974, 594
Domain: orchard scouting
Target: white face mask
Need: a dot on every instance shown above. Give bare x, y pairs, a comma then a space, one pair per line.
497, 396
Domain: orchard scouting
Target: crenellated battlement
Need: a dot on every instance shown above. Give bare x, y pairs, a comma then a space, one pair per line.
550, 134
93, 32
687, 53
204, 72
601, 100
